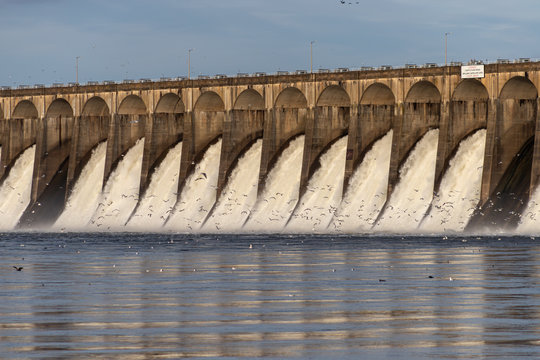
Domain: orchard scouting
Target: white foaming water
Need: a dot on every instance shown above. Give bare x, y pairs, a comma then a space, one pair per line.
160, 197
412, 196
530, 218
120, 195
239, 195
280, 194
199, 193
84, 198
321, 200
15, 191
459, 192
367, 190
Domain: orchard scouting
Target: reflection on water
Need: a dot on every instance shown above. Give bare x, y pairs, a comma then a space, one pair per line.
130, 296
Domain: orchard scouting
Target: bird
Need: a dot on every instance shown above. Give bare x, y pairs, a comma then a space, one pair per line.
18, 268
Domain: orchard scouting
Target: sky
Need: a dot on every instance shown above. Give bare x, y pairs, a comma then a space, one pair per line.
133, 39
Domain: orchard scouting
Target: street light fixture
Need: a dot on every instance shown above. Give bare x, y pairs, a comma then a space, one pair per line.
311, 56
446, 47
189, 63
77, 69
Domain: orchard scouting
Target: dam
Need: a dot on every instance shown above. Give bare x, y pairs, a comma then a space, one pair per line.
383, 150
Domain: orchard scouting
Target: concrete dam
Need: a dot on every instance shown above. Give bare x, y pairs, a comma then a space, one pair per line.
386, 150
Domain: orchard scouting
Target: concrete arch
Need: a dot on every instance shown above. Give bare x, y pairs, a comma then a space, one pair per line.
95, 106
25, 109
470, 89
127, 126
291, 97
90, 129
249, 99
513, 126
423, 92
378, 94
209, 101
421, 112
202, 127
170, 103
163, 131
242, 128
469, 109
518, 87
59, 107
132, 105
19, 133
374, 118
334, 95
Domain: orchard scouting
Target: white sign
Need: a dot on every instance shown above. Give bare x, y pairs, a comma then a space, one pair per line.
472, 71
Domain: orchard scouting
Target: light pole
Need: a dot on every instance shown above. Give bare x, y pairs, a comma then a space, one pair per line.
445, 47
77, 69
311, 56
189, 63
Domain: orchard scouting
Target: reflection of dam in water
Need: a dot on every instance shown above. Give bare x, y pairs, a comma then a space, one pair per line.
416, 150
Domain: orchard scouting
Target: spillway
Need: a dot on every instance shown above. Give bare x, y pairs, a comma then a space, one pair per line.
367, 190
84, 198
413, 194
199, 193
318, 205
121, 193
459, 191
15, 190
280, 195
160, 197
277, 209
239, 195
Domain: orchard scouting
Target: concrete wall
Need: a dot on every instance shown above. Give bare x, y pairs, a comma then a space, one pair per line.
66, 123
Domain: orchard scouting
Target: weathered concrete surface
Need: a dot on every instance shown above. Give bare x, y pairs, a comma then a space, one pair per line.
18, 134
242, 126
164, 130
286, 120
89, 129
467, 113
371, 120
324, 107
512, 126
327, 122
420, 112
52, 150
126, 127
202, 127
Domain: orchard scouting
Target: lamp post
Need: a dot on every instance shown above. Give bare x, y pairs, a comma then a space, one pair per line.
445, 47
189, 63
77, 69
311, 56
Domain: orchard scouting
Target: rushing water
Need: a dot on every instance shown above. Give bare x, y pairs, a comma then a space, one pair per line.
459, 191
367, 190
412, 195
323, 193
160, 197
239, 195
121, 193
15, 190
199, 193
278, 199
142, 296
84, 199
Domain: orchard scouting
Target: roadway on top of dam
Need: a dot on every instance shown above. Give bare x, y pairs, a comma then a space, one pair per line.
445, 78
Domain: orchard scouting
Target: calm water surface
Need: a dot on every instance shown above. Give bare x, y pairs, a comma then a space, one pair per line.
156, 296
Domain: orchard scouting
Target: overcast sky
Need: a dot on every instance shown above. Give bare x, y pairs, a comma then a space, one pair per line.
132, 39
